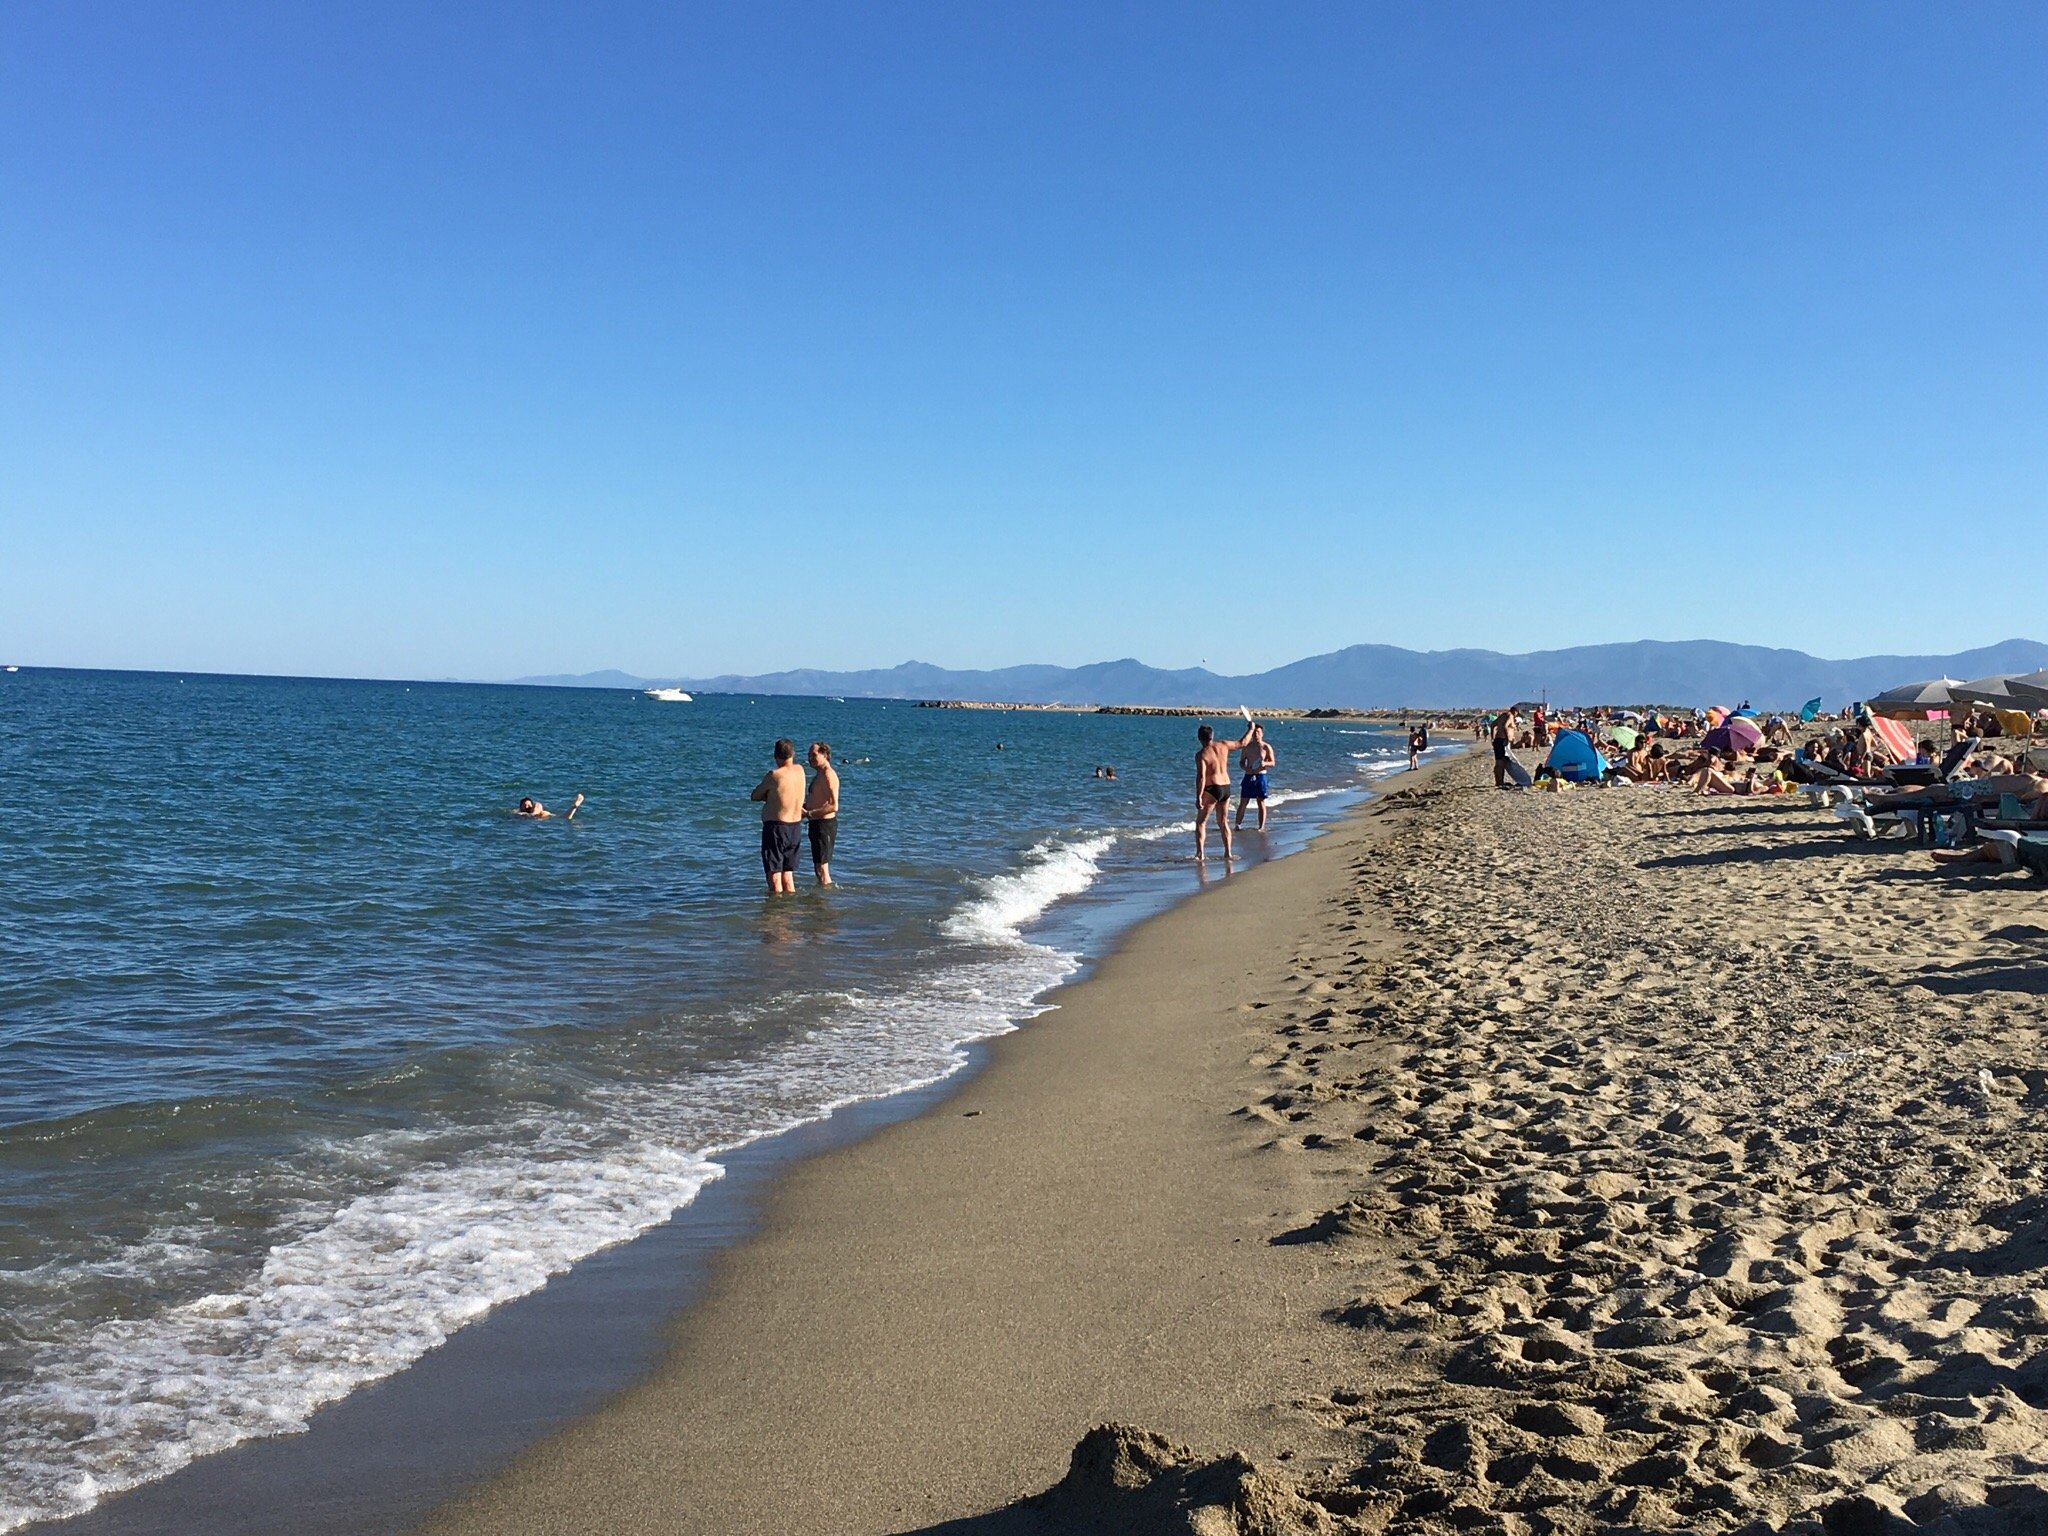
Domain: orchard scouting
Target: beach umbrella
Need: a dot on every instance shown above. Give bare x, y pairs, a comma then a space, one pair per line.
2013, 690
1623, 736
1735, 734
1914, 701
1994, 690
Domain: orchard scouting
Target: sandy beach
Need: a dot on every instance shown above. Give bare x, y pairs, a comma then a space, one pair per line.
1605, 1161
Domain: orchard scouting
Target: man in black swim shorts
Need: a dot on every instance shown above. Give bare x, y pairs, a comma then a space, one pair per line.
1212, 785
821, 811
1503, 738
781, 793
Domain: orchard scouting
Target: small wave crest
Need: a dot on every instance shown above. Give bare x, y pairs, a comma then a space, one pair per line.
1051, 869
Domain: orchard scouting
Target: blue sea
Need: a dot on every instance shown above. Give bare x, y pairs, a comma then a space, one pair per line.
312, 1052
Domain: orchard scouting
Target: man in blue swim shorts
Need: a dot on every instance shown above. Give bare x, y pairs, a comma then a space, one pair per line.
1253, 761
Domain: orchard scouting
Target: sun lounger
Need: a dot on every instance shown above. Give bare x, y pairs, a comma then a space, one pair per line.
2011, 815
1896, 736
2032, 852
1915, 776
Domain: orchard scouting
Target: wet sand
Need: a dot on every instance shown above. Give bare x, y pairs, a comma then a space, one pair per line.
1604, 1161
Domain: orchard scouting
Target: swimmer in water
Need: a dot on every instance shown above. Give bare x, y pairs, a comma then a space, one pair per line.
533, 810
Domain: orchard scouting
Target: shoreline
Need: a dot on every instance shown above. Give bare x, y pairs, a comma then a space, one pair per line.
1585, 1164
924, 1321
456, 1414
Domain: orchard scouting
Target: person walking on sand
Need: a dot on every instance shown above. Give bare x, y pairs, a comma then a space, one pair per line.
1503, 738
1257, 757
1418, 743
1212, 785
781, 793
821, 811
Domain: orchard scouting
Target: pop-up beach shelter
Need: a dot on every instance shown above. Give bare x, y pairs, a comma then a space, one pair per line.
1573, 757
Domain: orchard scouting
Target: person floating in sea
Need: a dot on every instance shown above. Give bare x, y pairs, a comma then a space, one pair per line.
535, 811
821, 811
1258, 756
1212, 784
781, 793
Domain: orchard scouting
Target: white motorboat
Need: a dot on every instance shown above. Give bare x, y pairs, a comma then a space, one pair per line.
668, 695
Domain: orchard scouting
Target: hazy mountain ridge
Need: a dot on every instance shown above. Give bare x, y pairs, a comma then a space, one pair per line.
1364, 676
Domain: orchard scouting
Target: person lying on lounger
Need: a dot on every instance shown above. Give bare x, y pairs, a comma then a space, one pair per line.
2027, 787
1999, 846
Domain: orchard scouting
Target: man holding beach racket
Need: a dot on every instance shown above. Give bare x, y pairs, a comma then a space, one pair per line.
1212, 783
1257, 757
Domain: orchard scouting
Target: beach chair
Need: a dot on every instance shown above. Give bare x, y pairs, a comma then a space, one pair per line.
2032, 852
2028, 851
2011, 815
1913, 776
1896, 736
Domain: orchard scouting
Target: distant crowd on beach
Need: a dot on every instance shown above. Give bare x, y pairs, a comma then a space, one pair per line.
1970, 781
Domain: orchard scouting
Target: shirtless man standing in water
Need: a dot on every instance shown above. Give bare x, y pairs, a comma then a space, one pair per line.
781, 794
1212, 785
1257, 757
821, 811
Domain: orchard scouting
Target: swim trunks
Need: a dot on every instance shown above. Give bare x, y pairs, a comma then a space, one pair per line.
780, 841
1252, 787
1216, 794
824, 833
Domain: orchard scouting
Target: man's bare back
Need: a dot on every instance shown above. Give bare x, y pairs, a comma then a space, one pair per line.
781, 794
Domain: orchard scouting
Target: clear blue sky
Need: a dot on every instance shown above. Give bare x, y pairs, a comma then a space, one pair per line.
424, 340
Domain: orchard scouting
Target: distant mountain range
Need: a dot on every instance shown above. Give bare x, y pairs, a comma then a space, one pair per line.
1371, 676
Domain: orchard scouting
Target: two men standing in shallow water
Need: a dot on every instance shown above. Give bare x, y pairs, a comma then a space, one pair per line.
787, 805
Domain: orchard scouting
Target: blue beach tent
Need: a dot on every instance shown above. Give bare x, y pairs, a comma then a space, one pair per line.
1574, 758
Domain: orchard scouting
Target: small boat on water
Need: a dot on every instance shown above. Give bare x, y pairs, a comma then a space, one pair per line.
12, 668
668, 695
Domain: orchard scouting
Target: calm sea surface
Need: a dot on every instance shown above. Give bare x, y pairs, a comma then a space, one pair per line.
310, 1051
